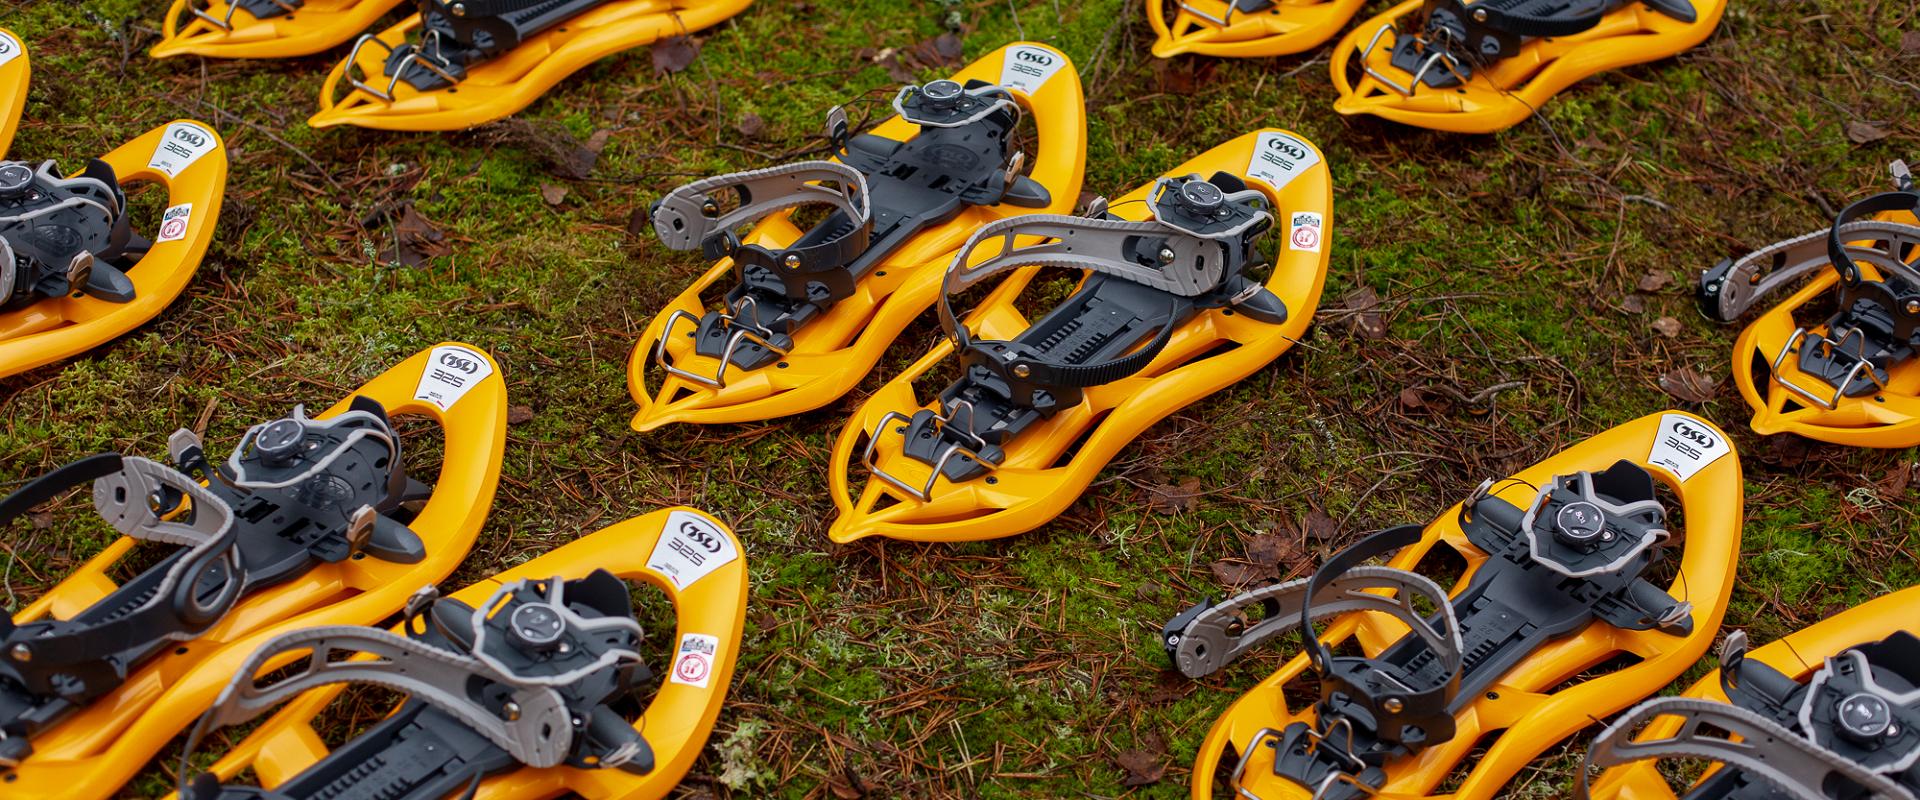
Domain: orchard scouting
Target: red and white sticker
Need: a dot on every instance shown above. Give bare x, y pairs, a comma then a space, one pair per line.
1304, 232
10, 47
451, 372
182, 144
694, 661
173, 223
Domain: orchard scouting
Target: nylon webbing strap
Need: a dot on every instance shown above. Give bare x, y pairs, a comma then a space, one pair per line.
46, 487
1521, 23
1843, 257
468, 9
1444, 644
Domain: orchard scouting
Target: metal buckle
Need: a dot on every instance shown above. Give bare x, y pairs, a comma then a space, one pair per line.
924, 493
1439, 56
1860, 365
434, 63
1237, 781
1227, 22
225, 23
742, 333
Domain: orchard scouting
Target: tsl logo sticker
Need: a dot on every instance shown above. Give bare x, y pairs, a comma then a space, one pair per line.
173, 223
1303, 232
451, 372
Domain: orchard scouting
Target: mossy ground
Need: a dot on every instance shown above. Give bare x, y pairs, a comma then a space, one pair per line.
1018, 668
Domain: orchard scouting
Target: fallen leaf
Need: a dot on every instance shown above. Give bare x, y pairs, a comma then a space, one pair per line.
517, 415
553, 194
1789, 450
1910, 42
1634, 304
1146, 590
597, 141
1320, 527
674, 54
639, 222
1898, 479
751, 125
1236, 574
42, 520
1862, 132
1667, 326
1142, 768
415, 241
1688, 385
1271, 550
1413, 398
1169, 686
565, 156
944, 50
1654, 281
1166, 499
1366, 321
844, 791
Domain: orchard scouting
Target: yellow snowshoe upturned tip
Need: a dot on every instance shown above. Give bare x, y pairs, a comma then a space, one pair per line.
187, 158
709, 601
1222, 28
833, 350
1797, 656
1542, 698
1050, 463
1845, 375
93, 753
1498, 94
14, 74
229, 28
360, 92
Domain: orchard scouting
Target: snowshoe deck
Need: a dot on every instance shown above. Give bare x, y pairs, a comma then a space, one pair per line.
1000, 452
264, 28
415, 754
1245, 28
1853, 679
1556, 585
185, 157
1479, 66
1851, 377
294, 556
375, 87
15, 71
810, 312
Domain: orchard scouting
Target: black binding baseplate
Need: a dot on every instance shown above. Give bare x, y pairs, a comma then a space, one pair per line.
458, 35
64, 236
530, 677
260, 9
1577, 554
295, 493
889, 191
1875, 326
1145, 280
1851, 732
1452, 37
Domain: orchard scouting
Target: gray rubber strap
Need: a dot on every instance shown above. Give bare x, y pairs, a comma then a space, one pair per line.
1208, 643
1752, 277
681, 222
122, 500
541, 735
1766, 749
377, 429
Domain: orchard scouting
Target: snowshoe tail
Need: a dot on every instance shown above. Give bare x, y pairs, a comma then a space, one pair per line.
434, 80
312, 521
1044, 405
1838, 704
15, 72
1245, 28
565, 733
138, 267
1850, 377
1571, 564
1479, 66
810, 312
264, 28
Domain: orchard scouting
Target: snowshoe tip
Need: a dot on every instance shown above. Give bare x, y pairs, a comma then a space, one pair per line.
1830, 711
14, 74
311, 521
1245, 28
78, 271
1479, 66
806, 314
553, 647
263, 28
1568, 566
461, 63
1165, 316
1842, 370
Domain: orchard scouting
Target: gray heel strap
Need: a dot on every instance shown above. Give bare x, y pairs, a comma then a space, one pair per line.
1209, 642
683, 221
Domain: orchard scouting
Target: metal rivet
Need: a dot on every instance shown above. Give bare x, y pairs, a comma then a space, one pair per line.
710, 208
1913, 306
1166, 255
1393, 705
459, 9
1022, 370
512, 709
792, 261
22, 653
1479, 15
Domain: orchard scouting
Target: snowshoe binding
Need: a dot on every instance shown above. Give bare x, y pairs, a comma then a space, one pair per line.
74, 273
1564, 574
1245, 28
15, 72
263, 28
526, 685
469, 62
1854, 378
1831, 712
310, 521
808, 313
1040, 407
1479, 66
